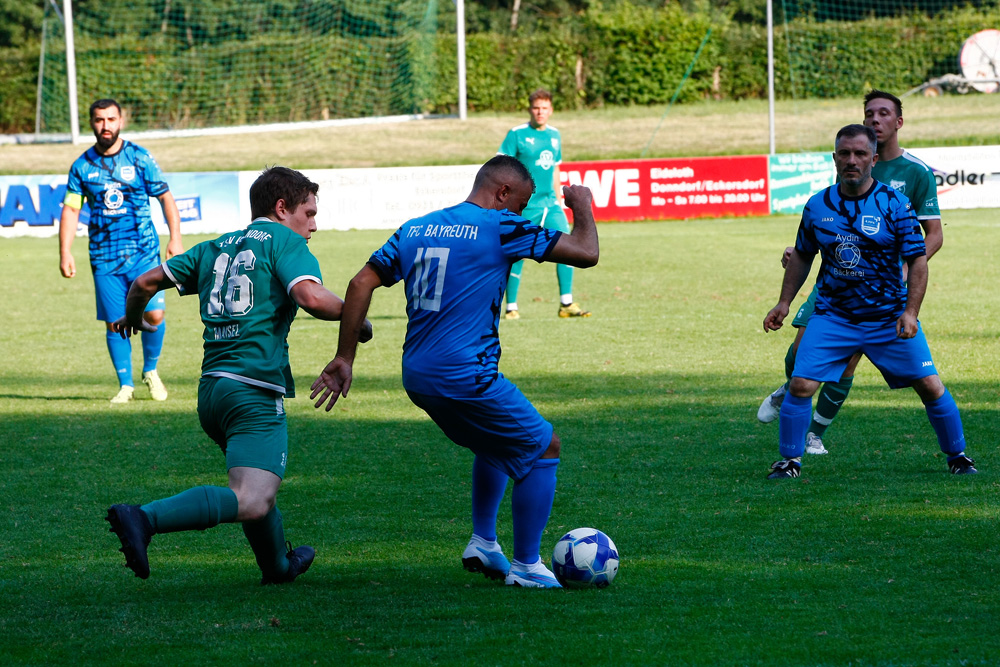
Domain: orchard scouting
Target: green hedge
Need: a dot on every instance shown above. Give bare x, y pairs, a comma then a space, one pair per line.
19, 74
626, 55
838, 58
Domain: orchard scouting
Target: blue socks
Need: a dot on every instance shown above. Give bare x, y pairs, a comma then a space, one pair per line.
488, 486
532, 504
120, 350
947, 423
195, 509
152, 344
793, 422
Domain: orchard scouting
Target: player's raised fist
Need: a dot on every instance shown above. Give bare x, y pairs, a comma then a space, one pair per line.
577, 195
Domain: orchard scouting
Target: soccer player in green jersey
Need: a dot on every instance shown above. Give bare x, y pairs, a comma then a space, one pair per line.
898, 169
250, 283
538, 146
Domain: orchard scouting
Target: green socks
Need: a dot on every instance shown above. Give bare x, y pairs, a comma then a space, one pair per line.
195, 509
267, 539
831, 397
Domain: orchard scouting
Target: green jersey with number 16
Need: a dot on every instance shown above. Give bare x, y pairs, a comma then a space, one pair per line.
244, 281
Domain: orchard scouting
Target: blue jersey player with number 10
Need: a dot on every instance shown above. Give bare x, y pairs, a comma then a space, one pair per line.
455, 263
862, 228
117, 178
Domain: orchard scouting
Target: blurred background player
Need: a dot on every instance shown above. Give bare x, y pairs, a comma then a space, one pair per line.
117, 178
862, 228
455, 263
538, 146
904, 172
250, 283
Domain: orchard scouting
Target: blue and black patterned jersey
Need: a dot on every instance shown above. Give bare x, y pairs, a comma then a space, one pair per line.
861, 241
454, 264
117, 188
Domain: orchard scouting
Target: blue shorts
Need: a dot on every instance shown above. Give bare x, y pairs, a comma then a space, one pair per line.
500, 425
828, 345
112, 288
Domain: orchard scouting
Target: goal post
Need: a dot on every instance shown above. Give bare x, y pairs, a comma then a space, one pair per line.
203, 64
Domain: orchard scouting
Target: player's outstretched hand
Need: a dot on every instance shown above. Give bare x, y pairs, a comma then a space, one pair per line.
366, 332
577, 195
775, 317
906, 326
125, 330
332, 383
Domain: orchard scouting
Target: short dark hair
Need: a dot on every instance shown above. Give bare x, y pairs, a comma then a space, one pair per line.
503, 168
276, 183
540, 94
855, 130
104, 104
876, 94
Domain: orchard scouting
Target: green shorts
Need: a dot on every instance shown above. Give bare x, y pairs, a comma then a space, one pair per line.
550, 217
247, 422
806, 310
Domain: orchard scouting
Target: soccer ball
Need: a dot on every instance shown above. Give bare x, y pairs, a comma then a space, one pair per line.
585, 557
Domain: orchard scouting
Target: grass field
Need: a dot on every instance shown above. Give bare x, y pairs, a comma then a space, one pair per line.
875, 556
708, 128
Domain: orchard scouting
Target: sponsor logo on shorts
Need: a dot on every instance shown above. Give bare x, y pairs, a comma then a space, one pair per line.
926, 364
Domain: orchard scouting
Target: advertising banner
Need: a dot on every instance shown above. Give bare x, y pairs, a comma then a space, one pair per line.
207, 202
795, 177
679, 188
967, 176
624, 190
381, 198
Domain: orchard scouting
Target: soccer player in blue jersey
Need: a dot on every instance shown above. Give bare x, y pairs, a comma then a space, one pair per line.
117, 178
538, 146
454, 263
861, 228
900, 170
251, 284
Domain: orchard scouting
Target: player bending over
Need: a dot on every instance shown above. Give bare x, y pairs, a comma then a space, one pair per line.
454, 264
250, 283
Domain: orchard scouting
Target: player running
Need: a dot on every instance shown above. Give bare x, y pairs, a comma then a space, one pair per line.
454, 263
538, 146
250, 283
902, 171
861, 228
117, 178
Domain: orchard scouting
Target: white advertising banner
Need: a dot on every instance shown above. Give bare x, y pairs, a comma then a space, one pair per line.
967, 176
381, 198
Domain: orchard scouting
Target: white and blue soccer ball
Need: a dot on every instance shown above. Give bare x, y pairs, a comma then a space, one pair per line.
585, 557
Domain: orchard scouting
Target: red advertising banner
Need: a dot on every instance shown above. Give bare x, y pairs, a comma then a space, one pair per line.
675, 188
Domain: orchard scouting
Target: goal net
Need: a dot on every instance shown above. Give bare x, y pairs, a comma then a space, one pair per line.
180, 64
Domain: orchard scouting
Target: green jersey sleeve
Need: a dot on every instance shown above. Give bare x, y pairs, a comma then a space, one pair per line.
509, 145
